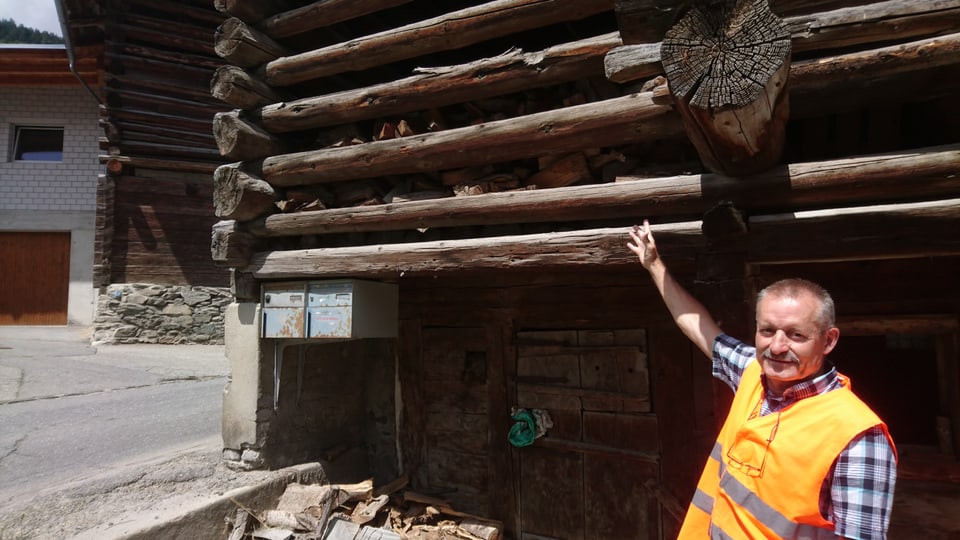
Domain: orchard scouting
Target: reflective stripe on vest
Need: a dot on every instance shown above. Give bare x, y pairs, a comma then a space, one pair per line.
702, 499
768, 516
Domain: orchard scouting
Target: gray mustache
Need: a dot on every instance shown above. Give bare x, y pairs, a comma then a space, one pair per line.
788, 356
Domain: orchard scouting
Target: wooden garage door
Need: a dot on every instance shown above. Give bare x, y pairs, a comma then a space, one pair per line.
35, 278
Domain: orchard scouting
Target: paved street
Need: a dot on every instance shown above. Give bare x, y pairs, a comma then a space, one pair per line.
71, 411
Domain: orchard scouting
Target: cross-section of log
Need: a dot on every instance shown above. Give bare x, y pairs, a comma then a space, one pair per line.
239, 195
727, 63
239, 139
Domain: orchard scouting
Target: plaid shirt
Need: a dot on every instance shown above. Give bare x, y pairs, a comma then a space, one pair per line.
858, 493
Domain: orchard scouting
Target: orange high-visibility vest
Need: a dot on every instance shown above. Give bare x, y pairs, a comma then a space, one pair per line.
752, 488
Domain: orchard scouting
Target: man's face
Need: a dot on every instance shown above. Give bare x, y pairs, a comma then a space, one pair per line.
790, 344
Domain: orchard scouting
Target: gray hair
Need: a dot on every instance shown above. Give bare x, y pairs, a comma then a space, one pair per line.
794, 288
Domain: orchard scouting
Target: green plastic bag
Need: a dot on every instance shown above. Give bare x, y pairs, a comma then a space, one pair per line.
524, 431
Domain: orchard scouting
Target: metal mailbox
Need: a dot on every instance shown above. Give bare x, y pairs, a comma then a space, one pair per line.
334, 309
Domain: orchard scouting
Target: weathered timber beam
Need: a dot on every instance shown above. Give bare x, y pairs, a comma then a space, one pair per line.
235, 86
727, 66
645, 21
926, 172
151, 31
817, 74
123, 49
180, 9
512, 71
130, 146
618, 121
132, 99
244, 46
242, 140
881, 232
230, 246
321, 14
894, 231
585, 248
252, 11
239, 195
157, 119
161, 164
451, 31
873, 23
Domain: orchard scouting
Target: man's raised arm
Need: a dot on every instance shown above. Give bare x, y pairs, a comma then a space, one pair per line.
689, 314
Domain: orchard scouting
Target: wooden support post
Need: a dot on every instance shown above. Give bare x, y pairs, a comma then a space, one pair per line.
728, 63
230, 246
241, 196
242, 140
244, 46
244, 287
726, 284
238, 88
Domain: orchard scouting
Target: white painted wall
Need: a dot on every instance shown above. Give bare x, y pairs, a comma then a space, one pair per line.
55, 196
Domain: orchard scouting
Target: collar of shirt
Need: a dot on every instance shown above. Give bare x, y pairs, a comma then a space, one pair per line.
818, 385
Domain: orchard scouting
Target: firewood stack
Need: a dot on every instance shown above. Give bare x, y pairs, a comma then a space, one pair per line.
308, 136
419, 105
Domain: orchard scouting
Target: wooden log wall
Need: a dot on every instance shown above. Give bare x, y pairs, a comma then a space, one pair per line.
488, 143
321, 147
158, 143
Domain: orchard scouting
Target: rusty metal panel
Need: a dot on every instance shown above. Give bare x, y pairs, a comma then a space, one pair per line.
330, 310
284, 308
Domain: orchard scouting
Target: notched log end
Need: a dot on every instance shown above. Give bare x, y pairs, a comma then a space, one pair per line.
721, 54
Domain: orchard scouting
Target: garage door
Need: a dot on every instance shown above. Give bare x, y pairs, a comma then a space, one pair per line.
34, 278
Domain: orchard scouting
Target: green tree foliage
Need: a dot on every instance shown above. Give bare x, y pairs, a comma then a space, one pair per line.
11, 32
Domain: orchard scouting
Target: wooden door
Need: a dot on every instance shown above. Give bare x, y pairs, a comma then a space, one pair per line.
34, 278
455, 405
595, 473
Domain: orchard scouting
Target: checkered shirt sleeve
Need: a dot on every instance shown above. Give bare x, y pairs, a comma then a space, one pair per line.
864, 477
730, 358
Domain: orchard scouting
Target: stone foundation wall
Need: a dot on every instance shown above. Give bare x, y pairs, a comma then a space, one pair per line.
165, 314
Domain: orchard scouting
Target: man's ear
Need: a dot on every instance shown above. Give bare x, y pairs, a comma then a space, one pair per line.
833, 335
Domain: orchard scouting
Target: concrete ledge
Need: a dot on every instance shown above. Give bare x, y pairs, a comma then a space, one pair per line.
205, 519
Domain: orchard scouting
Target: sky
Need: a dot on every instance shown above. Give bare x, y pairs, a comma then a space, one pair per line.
38, 14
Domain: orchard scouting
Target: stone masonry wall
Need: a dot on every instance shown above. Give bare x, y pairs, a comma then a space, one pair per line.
165, 314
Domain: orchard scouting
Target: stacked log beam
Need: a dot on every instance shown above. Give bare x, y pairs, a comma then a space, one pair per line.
866, 236
263, 88
846, 27
614, 120
322, 14
451, 31
930, 172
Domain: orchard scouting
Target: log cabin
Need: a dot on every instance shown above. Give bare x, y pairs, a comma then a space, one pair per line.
470, 169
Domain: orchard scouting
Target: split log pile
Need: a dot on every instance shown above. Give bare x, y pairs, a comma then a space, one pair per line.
348, 511
354, 119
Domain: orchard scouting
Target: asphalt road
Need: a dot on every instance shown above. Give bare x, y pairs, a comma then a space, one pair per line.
69, 411
52, 441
